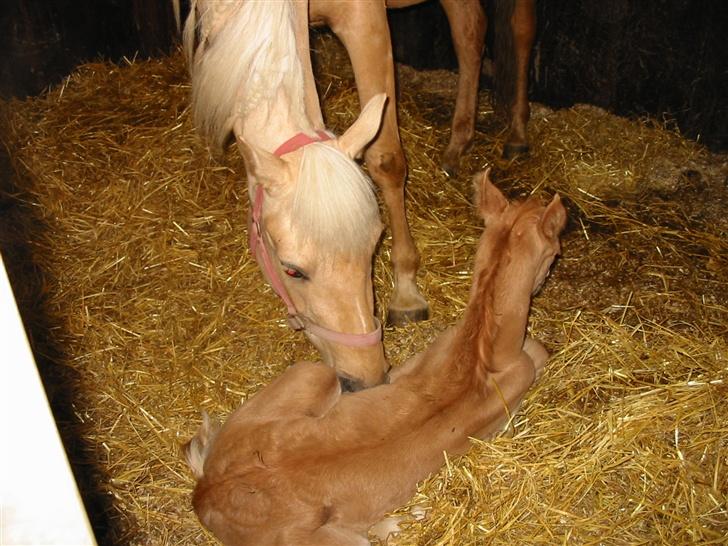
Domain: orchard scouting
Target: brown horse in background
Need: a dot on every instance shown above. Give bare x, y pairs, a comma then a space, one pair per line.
300, 463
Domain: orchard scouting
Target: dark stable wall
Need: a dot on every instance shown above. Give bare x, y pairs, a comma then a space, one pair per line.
44, 40
666, 58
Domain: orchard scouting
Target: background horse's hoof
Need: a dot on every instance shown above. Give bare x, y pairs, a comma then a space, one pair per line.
450, 166
511, 151
401, 317
449, 170
451, 159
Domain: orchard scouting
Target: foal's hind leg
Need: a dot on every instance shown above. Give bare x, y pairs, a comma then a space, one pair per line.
538, 354
363, 28
467, 26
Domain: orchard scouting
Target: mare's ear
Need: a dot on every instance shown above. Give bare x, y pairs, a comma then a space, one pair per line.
554, 218
260, 165
489, 200
365, 128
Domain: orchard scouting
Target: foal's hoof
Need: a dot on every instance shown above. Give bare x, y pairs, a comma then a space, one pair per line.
511, 151
402, 317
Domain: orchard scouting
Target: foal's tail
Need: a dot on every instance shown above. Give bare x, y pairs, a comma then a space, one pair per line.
197, 449
239, 53
504, 56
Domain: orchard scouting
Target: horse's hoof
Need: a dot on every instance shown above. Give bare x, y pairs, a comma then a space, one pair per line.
450, 163
511, 151
450, 168
401, 317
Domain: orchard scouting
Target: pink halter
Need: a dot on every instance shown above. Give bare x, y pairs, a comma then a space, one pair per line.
296, 320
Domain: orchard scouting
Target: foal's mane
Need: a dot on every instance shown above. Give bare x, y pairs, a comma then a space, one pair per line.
243, 65
479, 323
479, 326
334, 205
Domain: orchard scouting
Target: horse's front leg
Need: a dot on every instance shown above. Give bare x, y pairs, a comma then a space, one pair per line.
538, 354
363, 29
467, 26
301, 26
523, 29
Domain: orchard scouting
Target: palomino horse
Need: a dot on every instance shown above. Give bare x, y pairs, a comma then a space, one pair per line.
300, 463
362, 27
315, 219
223, 91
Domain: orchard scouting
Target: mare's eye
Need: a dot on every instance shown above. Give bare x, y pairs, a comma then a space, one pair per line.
292, 272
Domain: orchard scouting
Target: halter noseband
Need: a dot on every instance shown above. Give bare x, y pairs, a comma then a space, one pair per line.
296, 320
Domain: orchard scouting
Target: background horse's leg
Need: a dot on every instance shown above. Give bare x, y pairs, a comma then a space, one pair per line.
363, 28
523, 29
467, 26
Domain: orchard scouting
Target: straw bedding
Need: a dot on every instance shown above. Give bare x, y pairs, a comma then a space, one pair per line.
126, 243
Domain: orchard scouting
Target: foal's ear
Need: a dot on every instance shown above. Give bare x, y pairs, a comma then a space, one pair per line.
554, 218
365, 128
262, 166
489, 200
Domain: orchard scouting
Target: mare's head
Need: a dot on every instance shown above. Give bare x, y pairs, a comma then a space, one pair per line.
320, 225
523, 236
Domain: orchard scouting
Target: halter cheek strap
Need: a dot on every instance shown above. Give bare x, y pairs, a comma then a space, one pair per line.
296, 320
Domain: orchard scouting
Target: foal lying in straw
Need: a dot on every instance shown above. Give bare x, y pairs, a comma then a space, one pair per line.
300, 463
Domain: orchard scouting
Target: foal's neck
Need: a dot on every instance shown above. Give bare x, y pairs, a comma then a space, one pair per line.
491, 333
493, 329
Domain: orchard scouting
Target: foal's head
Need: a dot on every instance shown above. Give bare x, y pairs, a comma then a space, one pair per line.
523, 237
320, 224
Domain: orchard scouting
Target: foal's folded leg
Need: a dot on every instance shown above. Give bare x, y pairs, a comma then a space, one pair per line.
327, 535
507, 388
389, 526
538, 353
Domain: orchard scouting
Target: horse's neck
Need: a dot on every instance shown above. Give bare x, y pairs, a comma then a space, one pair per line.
269, 126
293, 107
511, 304
453, 360
430, 370
499, 311
310, 94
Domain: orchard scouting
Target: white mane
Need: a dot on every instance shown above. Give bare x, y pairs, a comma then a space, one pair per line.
334, 203
246, 52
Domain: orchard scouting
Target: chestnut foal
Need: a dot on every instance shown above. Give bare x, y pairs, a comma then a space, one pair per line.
301, 463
